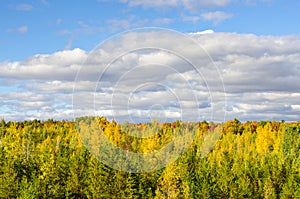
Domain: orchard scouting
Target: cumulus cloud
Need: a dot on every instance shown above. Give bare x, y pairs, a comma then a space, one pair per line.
216, 17
208, 31
129, 78
61, 65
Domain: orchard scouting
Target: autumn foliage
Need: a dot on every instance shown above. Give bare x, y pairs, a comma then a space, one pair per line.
49, 159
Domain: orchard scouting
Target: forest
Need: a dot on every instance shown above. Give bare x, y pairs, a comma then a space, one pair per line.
51, 159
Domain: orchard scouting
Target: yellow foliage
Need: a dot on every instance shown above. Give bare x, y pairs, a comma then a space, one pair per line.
265, 139
169, 187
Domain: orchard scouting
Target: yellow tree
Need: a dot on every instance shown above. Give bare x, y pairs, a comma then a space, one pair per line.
265, 138
172, 184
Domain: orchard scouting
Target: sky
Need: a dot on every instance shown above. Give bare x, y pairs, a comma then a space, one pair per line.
206, 59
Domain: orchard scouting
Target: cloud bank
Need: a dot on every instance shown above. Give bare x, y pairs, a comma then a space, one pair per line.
260, 75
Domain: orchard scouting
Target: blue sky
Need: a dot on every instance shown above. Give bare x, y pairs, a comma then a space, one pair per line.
255, 45
41, 26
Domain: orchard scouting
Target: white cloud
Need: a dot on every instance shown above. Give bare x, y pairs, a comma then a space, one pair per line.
82, 24
163, 21
196, 4
260, 75
216, 17
193, 19
24, 7
61, 65
125, 24
58, 21
209, 31
44, 2
22, 29
191, 5
187, 4
150, 3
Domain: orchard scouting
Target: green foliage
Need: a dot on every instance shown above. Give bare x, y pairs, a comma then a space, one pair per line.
47, 159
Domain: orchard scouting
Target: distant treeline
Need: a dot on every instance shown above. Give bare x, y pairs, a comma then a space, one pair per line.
48, 159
